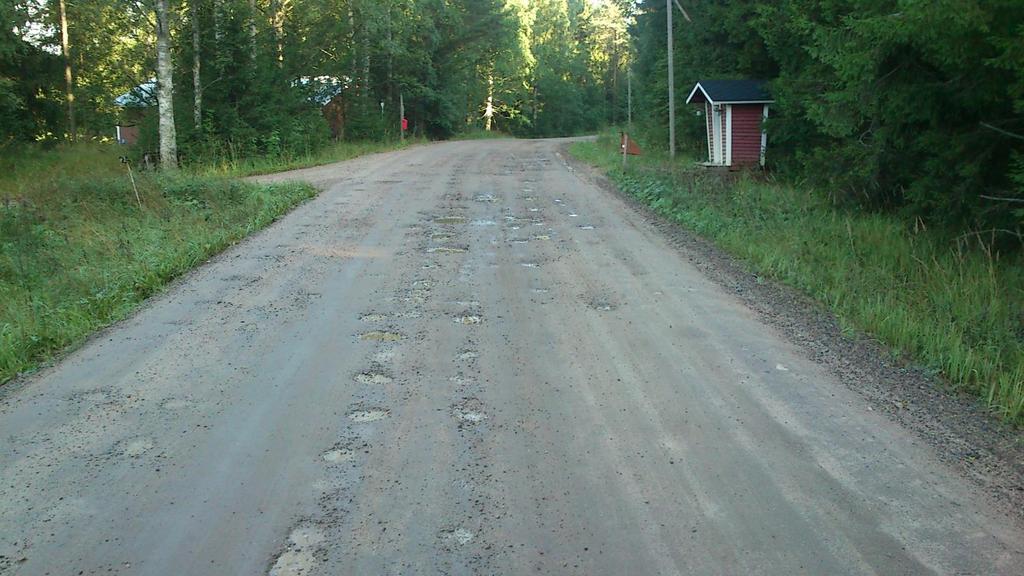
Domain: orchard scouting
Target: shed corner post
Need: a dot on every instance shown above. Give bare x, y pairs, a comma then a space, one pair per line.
764, 135
728, 135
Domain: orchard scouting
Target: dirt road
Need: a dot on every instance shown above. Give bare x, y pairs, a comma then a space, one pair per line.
462, 358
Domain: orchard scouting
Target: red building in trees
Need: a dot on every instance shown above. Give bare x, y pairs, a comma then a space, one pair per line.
734, 111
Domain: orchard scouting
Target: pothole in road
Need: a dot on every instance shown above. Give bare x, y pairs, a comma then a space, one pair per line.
542, 237
466, 303
574, 215
373, 318
486, 198
372, 378
306, 536
468, 355
137, 447
469, 412
300, 558
385, 355
471, 417
338, 455
294, 563
587, 227
446, 250
457, 536
176, 403
369, 415
450, 220
602, 305
381, 336
529, 264
440, 237
468, 319
483, 223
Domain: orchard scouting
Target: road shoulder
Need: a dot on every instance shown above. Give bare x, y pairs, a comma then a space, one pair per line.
962, 434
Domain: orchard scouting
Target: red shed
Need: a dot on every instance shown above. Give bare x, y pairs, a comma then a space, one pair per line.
735, 111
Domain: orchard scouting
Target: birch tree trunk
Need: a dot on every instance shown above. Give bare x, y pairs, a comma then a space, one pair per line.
489, 110
252, 27
69, 87
366, 60
279, 12
217, 26
165, 88
197, 84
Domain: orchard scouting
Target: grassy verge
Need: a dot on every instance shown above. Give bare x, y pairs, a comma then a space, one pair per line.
952, 305
481, 134
336, 152
78, 253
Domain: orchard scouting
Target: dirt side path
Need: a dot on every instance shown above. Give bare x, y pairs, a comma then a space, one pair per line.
463, 359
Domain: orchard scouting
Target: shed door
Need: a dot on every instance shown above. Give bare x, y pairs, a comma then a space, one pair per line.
717, 132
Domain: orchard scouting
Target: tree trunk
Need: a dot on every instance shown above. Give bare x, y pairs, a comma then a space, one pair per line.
489, 110
279, 10
69, 86
165, 88
197, 84
366, 59
352, 43
217, 26
252, 27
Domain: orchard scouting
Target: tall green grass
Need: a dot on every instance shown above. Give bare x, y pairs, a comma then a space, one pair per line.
336, 152
77, 253
953, 304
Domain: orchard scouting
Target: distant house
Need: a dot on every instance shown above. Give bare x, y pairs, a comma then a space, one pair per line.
134, 105
326, 92
323, 91
735, 111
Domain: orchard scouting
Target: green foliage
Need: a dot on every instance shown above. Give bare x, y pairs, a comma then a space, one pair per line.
529, 67
910, 107
77, 253
956, 307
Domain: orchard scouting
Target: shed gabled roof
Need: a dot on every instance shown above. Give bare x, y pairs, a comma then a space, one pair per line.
730, 92
142, 96
320, 89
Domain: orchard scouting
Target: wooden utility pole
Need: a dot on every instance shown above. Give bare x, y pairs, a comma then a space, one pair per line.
672, 75
401, 116
629, 97
65, 46
671, 84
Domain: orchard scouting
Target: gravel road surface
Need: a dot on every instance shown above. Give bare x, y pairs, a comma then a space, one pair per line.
462, 358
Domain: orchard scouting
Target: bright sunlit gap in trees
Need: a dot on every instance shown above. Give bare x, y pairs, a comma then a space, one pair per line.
527, 67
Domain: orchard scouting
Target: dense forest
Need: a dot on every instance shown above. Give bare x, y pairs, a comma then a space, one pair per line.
249, 77
899, 105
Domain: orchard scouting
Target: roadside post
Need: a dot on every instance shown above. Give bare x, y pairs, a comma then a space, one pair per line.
401, 114
128, 164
